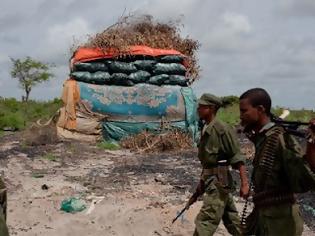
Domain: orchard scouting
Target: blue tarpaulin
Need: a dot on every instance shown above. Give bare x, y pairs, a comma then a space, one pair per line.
141, 107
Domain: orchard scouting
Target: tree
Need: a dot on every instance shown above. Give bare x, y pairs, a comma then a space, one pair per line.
30, 72
229, 100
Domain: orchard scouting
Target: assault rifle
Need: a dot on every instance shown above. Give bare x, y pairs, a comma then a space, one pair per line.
199, 191
191, 201
291, 126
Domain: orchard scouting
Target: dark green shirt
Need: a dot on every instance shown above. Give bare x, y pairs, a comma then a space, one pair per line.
219, 142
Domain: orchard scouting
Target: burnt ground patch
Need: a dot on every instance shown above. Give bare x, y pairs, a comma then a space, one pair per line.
179, 170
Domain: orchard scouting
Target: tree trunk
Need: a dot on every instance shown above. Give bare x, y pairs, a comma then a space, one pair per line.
27, 94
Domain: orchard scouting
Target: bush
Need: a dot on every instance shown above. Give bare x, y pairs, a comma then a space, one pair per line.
302, 115
18, 115
13, 120
230, 100
230, 114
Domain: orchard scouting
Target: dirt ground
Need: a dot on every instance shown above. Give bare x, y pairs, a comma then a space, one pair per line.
125, 194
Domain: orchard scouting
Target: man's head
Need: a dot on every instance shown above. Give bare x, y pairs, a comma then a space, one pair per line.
208, 105
255, 105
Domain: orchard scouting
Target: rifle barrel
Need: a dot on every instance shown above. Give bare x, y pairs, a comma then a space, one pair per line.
179, 214
291, 122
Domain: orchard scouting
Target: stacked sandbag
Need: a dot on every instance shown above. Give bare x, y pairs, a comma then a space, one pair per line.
161, 70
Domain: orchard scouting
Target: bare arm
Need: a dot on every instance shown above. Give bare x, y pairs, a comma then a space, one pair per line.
244, 189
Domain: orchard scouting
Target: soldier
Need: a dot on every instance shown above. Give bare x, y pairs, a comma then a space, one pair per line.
3, 209
218, 149
280, 169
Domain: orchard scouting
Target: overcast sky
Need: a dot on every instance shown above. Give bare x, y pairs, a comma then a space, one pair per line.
245, 44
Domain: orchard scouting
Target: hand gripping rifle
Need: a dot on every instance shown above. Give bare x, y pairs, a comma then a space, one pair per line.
201, 188
191, 201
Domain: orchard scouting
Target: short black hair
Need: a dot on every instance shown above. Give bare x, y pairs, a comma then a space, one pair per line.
257, 97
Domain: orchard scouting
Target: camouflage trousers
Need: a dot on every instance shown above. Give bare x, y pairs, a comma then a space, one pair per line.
217, 204
3, 209
280, 220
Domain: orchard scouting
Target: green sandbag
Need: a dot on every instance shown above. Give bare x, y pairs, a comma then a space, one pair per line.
147, 65
169, 68
100, 77
166, 82
158, 79
121, 79
83, 76
121, 67
176, 80
171, 59
90, 66
139, 76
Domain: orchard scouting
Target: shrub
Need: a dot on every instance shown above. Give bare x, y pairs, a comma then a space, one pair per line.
108, 146
18, 115
13, 120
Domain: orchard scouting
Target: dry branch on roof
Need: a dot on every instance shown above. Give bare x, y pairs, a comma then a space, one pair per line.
144, 30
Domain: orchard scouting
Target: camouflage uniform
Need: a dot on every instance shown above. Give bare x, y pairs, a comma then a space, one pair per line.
218, 142
276, 212
3, 209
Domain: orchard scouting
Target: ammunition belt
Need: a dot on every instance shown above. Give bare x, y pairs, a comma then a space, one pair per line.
266, 161
269, 151
273, 197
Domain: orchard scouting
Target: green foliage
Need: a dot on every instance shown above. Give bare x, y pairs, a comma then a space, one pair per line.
13, 120
30, 72
302, 115
50, 157
18, 115
108, 146
229, 100
230, 114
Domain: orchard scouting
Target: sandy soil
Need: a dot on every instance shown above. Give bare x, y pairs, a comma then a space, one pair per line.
125, 194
